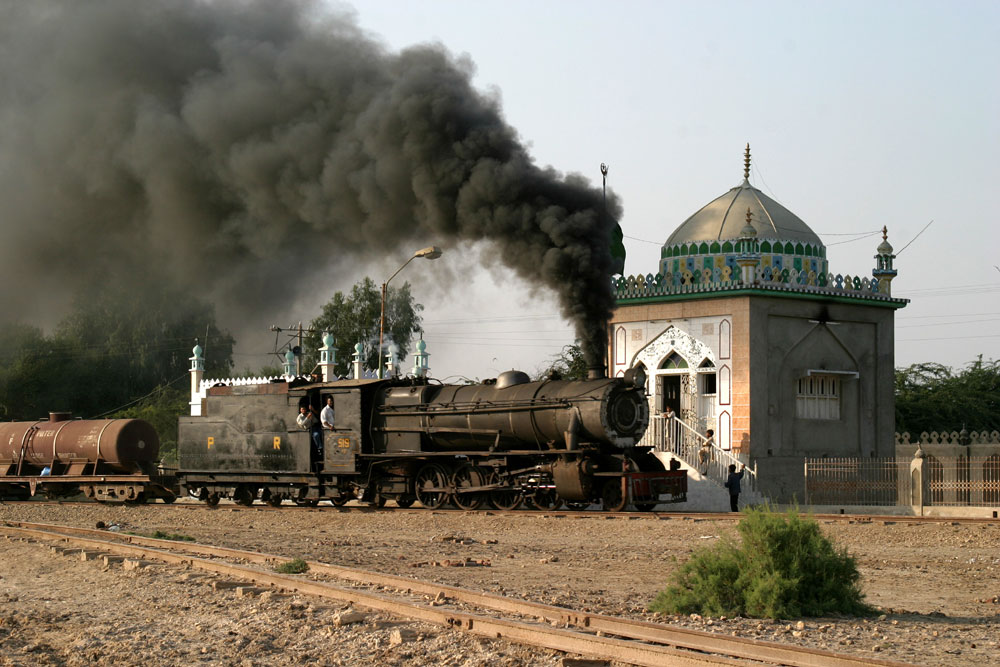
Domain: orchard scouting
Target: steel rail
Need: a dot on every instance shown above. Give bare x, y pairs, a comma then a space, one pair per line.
559, 639
572, 514
684, 638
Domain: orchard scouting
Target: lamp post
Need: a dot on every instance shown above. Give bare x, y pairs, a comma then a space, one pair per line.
430, 252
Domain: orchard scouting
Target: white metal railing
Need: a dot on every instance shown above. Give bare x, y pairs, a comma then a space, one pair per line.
673, 436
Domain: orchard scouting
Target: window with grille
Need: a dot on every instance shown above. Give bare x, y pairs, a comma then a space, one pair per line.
818, 397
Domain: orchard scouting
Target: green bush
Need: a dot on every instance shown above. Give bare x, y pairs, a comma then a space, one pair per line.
297, 566
783, 567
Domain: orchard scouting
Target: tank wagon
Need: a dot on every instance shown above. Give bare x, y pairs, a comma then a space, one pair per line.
105, 459
505, 442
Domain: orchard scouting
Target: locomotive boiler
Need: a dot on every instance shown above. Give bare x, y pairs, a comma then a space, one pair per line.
106, 459
506, 442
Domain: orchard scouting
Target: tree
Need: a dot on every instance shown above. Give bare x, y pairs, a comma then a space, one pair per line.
569, 364
932, 397
110, 350
354, 318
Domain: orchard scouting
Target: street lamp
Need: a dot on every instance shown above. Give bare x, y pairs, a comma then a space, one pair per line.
430, 252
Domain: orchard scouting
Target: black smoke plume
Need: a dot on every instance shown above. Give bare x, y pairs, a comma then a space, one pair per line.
237, 148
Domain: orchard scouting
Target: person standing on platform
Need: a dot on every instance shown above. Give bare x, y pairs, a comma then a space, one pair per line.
733, 484
705, 453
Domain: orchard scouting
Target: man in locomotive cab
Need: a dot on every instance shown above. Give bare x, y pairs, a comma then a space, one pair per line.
309, 421
326, 415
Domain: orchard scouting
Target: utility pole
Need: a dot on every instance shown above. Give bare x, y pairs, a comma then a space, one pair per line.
298, 357
604, 177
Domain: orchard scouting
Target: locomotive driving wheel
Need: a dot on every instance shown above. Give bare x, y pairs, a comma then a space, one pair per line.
504, 499
545, 500
612, 497
468, 476
430, 486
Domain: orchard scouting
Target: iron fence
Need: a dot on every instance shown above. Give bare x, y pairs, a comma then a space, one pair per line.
943, 481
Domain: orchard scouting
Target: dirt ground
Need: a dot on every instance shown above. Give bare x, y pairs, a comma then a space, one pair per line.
938, 586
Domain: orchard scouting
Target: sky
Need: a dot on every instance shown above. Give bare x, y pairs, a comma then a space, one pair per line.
858, 114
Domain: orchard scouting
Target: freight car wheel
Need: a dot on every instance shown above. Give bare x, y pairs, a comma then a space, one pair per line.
430, 486
244, 496
612, 497
168, 499
212, 499
339, 501
274, 500
405, 501
465, 477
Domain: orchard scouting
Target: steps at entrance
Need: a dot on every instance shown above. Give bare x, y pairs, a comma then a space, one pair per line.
704, 494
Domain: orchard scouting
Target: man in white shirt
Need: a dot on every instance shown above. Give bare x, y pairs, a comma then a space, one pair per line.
326, 415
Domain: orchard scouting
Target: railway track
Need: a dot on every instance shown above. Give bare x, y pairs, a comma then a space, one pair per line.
485, 614
886, 519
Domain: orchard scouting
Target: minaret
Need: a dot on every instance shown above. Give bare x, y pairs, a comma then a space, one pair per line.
390, 362
289, 364
749, 247
420, 367
883, 271
197, 374
357, 363
327, 357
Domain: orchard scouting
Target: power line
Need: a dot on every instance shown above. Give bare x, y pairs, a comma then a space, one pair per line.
945, 324
900, 252
921, 317
910, 340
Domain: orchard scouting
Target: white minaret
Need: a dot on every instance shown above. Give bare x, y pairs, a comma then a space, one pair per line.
390, 362
197, 374
357, 363
327, 357
883, 271
420, 367
749, 252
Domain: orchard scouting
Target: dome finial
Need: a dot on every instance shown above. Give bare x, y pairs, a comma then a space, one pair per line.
746, 164
885, 233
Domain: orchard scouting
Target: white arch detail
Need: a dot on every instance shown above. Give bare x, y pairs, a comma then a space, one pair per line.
672, 339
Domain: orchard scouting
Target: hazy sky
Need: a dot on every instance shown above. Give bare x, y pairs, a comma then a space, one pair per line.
859, 114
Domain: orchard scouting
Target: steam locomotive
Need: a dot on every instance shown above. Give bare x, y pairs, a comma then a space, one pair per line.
506, 442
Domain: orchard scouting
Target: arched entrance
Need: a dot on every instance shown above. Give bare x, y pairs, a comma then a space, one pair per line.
681, 375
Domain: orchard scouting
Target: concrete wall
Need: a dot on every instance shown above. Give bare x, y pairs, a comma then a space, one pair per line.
788, 338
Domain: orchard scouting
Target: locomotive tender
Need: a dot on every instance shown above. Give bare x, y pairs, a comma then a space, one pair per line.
508, 441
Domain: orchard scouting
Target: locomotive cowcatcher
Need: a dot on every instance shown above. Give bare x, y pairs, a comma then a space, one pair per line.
506, 442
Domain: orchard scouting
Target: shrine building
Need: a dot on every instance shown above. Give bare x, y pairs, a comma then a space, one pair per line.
744, 329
